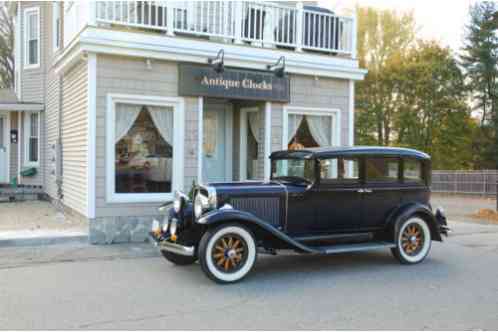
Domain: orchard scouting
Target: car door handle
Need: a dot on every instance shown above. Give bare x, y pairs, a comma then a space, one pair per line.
366, 191
360, 191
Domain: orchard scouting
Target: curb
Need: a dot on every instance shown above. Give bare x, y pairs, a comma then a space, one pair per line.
43, 241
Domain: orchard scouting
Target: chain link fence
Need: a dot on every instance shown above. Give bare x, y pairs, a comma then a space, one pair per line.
465, 182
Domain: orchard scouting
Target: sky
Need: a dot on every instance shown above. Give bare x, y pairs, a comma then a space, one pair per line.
442, 20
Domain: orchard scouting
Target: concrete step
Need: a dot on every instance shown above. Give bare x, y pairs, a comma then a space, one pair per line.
40, 238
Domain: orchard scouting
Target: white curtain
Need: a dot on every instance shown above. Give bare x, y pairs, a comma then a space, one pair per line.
126, 114
255, 124
320, 128
294, 123
163, 120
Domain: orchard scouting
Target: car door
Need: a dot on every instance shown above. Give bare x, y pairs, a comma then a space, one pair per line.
382, 192
337, 199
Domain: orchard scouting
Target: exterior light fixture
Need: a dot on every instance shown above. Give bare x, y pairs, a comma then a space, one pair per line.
278, 68
218, 62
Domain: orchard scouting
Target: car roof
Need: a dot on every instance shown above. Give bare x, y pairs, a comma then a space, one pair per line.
328, 152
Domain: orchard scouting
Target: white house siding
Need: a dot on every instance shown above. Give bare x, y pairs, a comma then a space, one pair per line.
130, 76
33, 85
321, 92
74, 137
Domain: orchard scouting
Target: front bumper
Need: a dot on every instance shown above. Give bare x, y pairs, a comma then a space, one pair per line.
164, 243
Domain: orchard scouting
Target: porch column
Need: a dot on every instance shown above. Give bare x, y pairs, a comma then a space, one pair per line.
19, 142
200, 117
267, 165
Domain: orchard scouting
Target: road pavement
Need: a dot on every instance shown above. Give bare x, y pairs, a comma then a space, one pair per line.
131, 287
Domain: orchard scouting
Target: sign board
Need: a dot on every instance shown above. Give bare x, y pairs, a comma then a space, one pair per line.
199, 80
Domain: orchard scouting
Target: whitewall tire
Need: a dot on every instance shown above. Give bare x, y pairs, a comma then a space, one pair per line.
413, 241
227, 253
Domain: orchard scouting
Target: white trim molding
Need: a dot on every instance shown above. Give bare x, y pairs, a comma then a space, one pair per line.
351, 113
267, 163
177, 48
27, 135
28, 12
92, 135
200, 137
334, 113
178, 105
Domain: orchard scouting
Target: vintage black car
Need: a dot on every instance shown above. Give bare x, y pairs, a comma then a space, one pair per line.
318, 201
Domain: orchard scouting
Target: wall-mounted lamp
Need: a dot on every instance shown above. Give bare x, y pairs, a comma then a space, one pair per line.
218, 62
278, 68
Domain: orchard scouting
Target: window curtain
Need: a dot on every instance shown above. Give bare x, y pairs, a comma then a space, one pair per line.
320, 128
255, 124
126, 114
163, 120
294, 123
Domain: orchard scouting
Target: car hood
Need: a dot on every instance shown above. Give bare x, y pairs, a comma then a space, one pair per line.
227, 190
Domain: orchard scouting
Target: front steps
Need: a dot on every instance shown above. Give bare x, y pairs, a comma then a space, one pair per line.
20, 193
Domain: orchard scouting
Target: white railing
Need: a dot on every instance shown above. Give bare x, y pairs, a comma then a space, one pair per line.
483, 182
259, 23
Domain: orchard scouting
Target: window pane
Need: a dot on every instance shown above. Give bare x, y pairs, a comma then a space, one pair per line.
382, 169
144, 149
34, 125
340, 169
412, 171
297, 168
33, 52
33, 26
33, 149
306, 131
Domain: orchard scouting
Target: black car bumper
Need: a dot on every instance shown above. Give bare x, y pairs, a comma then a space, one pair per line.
442, 222
164, 243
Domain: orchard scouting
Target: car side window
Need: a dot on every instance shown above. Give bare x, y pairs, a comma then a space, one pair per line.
412, 171
340, 170
382, 169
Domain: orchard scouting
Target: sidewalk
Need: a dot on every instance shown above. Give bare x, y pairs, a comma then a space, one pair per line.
38, 223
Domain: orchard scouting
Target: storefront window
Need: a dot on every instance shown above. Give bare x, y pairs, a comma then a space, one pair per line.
143, 149
308, 131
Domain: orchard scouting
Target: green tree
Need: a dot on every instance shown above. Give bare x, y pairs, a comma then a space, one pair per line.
382, 36
6, 47
479, 60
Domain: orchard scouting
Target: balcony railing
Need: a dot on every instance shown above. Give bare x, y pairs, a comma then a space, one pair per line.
263, 24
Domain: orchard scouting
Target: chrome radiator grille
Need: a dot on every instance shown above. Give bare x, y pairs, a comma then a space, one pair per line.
266, 208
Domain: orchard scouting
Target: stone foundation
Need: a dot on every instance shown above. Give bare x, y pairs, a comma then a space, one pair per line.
109, 230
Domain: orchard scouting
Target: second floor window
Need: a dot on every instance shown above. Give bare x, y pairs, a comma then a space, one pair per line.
32, 37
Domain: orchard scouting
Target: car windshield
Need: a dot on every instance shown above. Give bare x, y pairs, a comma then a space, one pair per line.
293, 170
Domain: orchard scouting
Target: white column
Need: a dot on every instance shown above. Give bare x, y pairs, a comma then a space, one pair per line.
19, 142
267, 165
92, 12
92, 135
238, 21
354, 32
351, 113
200, 115
299, 26
170, 16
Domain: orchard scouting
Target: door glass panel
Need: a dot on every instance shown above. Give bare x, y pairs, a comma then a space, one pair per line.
210, 129
339, 169
144, 149
382, 169
412, 171
1, 133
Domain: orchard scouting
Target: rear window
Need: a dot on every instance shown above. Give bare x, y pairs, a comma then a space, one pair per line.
412, 171
382, 169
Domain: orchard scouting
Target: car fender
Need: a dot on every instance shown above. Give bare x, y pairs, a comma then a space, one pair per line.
220, 216
405, 211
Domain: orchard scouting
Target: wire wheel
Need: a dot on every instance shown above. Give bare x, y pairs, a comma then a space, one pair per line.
229, 253
412, 239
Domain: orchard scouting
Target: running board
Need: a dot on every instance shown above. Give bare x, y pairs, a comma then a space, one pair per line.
342, 248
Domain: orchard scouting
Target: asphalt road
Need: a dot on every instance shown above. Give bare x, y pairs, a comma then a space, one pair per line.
131, 287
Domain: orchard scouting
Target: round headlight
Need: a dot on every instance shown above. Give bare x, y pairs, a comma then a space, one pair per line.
165, 224
198, 208
178, 202
172, 227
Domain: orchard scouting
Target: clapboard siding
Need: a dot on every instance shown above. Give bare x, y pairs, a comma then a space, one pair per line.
74, 137
130, 76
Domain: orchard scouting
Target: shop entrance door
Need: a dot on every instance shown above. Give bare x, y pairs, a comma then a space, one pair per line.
217, 143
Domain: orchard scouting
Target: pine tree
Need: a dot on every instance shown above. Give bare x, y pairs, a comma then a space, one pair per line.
480, 62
